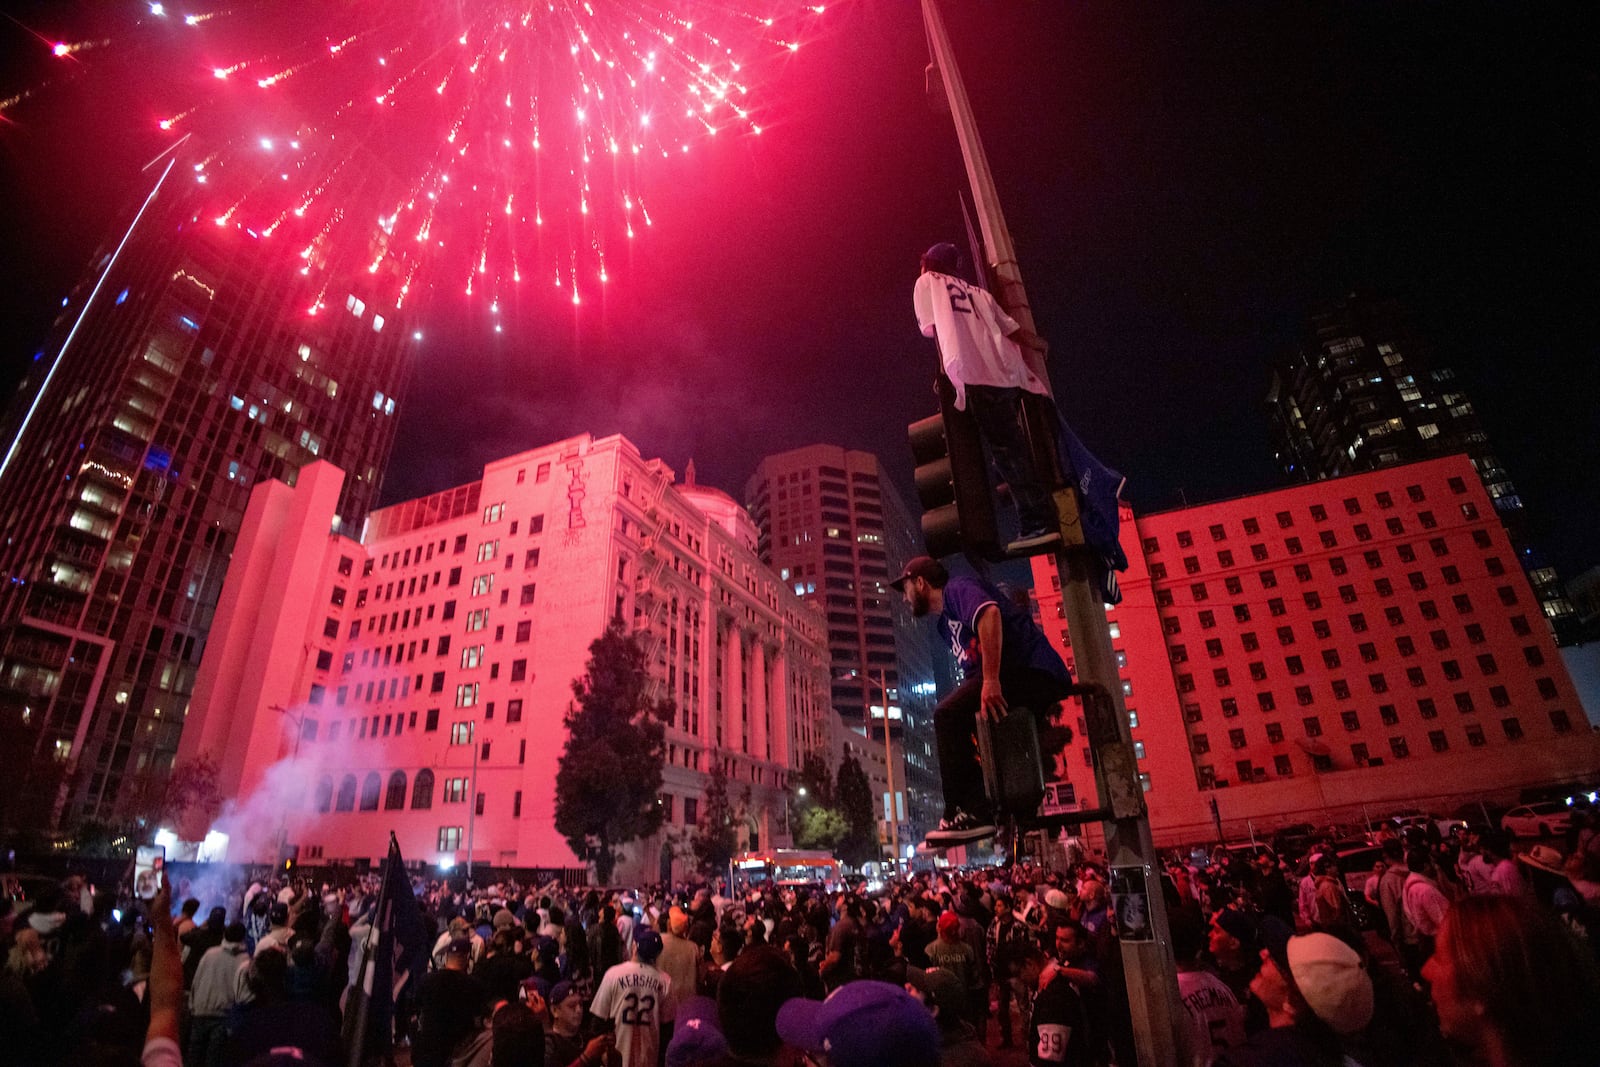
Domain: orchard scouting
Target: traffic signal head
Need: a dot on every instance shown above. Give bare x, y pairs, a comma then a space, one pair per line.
952, 482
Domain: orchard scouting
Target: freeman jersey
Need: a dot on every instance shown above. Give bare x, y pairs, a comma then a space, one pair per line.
1216, 1021
631, 996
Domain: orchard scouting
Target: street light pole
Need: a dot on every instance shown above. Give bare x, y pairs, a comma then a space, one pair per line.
888, 766
298, 719
1130, 850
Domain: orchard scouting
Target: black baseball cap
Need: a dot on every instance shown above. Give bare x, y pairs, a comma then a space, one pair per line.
922, 567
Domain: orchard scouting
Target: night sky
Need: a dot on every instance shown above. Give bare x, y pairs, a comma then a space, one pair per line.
1183, 181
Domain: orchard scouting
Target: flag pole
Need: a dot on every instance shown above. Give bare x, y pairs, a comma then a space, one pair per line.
358, 1040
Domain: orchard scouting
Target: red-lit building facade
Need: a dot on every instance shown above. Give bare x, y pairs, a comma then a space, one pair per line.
1363, 641
416, 680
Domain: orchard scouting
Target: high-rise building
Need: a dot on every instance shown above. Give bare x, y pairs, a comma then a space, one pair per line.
836, 531
1359, 643
183, 370
417, 679
1362, 391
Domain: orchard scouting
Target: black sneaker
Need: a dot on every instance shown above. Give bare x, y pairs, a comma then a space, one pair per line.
960, 828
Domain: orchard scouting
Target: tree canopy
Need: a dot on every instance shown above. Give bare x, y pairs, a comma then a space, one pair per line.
609, 780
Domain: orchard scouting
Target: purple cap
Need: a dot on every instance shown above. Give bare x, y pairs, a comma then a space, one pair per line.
863, 1024
696, 1037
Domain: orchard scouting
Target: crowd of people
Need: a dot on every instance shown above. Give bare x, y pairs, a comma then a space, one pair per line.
1446, 955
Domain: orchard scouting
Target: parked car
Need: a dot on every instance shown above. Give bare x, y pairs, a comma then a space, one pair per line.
1544, 819
1355, 866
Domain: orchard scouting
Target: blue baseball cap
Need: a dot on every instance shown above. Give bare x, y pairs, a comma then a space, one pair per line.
943, 257
863, 1024
647, 944
696, 1037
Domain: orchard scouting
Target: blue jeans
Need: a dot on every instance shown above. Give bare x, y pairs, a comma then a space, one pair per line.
998, 412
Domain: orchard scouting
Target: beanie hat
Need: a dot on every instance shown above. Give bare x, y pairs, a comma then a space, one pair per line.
863, 1024
1333, 981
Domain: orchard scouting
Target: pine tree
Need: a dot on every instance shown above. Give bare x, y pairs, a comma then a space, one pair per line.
714, 836
853, 796
609, 781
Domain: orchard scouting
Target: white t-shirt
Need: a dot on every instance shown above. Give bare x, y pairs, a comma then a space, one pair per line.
1215, 1017
632, 996
971, 329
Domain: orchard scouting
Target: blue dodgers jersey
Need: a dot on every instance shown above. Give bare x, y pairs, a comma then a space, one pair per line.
1022, 644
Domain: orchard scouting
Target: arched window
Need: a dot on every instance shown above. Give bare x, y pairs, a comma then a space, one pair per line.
369, 792
347, 794
396, 796
422, 791
325, 794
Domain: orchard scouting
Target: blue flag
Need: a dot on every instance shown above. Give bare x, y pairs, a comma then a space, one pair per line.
401, 957
1099, 492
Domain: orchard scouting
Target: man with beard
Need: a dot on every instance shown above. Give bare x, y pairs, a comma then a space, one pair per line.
1006, 660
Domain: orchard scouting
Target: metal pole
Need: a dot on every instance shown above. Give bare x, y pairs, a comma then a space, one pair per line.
888, 764
1151, 976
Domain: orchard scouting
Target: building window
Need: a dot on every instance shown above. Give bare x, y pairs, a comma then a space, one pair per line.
1236, 738
461, 733
1359, 754
1475, 736
449, 838
324, 795
347, 794
1437, 739
1351, 720
1313, 726
455, 790
1341, 689
1200, 744
1230, 708
1266, 701
1302, 695
1464, 703
395, 797
513, 711
1294, 665
1547, 687
1513, 728
1560, 722
1378, 682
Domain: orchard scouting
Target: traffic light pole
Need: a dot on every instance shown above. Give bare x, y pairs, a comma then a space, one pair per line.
1130, 851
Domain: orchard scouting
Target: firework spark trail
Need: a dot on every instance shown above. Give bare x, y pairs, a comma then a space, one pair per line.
450, 148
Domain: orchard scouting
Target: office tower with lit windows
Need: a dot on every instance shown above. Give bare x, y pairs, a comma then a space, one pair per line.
1362, 391
184, 368
834, 528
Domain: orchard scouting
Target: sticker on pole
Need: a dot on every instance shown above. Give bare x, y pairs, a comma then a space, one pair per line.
1130, 903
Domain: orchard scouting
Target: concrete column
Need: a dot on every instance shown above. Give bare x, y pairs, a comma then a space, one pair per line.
758, 698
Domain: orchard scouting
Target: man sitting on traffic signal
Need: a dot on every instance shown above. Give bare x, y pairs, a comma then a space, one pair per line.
981, 354
1007, 662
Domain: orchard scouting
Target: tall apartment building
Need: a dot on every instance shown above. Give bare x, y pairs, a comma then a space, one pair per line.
183, 370
417, 679
1365, 640
834, 528
1362, 391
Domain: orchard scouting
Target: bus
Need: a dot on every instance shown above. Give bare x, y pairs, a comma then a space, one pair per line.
788, 867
